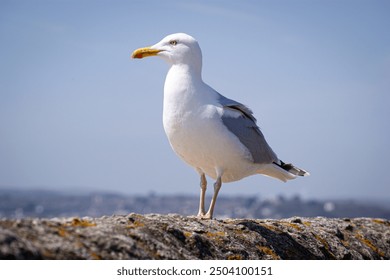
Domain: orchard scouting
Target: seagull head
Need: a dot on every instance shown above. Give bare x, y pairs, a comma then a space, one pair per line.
179, 48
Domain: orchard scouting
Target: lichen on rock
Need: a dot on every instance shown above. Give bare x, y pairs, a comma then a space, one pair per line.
171, 236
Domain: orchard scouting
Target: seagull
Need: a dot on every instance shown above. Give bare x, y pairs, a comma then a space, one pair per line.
215, 135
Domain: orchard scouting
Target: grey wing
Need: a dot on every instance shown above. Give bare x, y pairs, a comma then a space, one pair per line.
226, 102
246, 130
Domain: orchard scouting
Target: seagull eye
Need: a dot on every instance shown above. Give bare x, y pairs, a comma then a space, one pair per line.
173, 42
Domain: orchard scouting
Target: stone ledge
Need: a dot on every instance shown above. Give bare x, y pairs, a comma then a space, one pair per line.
156, 236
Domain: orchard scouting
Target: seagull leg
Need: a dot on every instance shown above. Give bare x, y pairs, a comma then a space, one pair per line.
217, 187
203, 187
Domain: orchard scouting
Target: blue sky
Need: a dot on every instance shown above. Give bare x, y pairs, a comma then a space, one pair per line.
77, 113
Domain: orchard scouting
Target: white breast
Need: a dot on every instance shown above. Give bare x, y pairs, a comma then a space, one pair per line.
195, 130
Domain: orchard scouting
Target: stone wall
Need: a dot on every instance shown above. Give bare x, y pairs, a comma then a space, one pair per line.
156, 236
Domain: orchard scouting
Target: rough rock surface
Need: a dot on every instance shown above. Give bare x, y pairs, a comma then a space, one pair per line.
176, 237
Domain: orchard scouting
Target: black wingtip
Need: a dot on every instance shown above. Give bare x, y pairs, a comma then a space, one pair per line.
292, 169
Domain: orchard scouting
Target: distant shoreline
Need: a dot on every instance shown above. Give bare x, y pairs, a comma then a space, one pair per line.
20, 203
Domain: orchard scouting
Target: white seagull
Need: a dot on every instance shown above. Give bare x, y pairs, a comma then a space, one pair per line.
215, 135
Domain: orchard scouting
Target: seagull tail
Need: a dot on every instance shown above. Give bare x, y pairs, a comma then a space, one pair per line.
283, 171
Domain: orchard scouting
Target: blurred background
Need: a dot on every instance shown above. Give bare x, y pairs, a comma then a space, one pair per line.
79, 117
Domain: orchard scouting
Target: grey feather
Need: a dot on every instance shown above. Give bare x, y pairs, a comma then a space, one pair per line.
226, 102
246, 130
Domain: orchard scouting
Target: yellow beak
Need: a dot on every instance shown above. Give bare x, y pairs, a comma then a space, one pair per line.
144, 52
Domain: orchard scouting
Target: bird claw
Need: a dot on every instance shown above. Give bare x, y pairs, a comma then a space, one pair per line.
203, 216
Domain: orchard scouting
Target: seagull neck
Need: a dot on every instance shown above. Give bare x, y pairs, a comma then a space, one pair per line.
181, 84
190, 72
